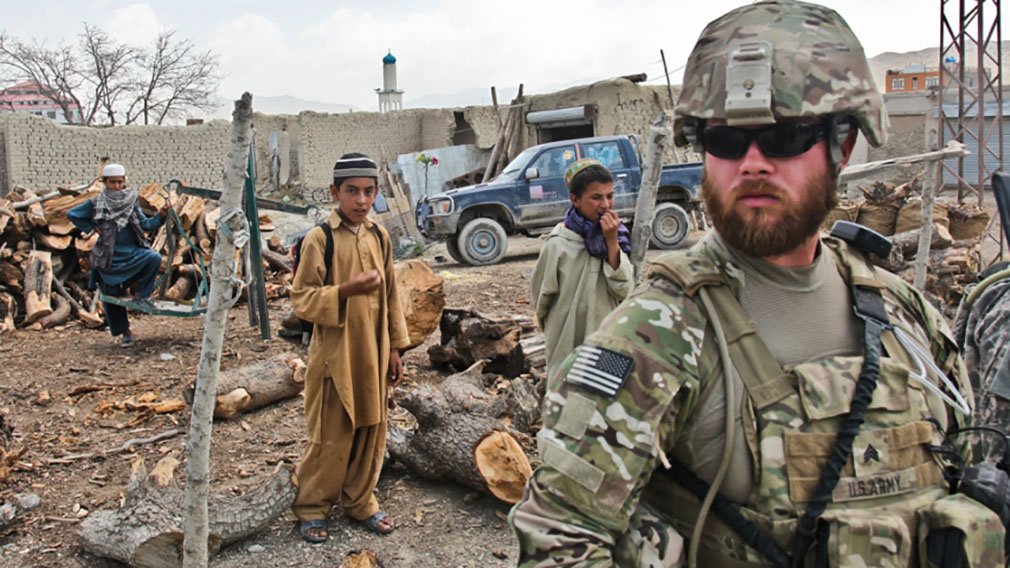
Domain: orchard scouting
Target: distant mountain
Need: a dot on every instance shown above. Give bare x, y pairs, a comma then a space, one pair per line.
284, 104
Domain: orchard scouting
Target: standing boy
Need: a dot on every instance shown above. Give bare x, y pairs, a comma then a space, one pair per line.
359, 330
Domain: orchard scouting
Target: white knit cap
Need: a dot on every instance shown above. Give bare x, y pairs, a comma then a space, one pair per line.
113, 170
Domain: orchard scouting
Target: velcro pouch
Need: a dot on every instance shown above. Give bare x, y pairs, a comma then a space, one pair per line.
958, 531
856, 538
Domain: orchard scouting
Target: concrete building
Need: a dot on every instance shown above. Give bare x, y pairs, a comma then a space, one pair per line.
28, 96
919, 78
390, 98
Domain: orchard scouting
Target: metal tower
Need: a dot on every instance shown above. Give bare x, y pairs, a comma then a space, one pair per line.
971, 99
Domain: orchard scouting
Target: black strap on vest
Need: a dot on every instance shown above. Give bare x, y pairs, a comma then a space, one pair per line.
729, 513
869, 307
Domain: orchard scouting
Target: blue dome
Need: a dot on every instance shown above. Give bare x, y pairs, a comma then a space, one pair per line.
389, 59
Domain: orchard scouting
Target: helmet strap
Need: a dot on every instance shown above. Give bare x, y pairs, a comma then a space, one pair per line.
838, 126
691, 128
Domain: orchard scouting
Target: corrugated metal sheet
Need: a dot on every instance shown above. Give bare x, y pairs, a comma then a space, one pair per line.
992, 163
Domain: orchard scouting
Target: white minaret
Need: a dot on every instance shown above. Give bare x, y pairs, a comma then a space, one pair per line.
389, 97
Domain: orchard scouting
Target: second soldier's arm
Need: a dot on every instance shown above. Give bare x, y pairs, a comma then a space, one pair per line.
602, 437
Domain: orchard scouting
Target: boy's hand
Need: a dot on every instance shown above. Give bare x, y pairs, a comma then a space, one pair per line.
163, 211
395, 369
609, 223
363, 283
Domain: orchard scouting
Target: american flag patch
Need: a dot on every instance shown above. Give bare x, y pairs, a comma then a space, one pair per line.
600, 370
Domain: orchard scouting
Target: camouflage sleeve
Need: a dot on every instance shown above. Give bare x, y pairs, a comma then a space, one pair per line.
601, 439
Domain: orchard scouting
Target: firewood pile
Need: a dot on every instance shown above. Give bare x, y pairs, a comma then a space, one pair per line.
895, 211
44, 259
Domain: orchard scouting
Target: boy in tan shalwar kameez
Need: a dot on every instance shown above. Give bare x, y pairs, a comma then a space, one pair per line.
359, 329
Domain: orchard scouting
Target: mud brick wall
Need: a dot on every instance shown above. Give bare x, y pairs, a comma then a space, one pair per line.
42, 155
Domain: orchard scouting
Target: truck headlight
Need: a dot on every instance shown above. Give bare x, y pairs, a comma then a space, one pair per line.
441, 206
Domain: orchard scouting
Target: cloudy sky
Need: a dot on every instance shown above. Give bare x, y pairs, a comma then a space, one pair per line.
331, 51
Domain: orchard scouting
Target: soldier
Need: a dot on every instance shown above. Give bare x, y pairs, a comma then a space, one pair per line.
769, 397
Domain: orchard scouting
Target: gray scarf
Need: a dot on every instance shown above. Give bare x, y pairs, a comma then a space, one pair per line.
116, 206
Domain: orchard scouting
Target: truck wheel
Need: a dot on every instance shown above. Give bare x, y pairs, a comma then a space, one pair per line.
482, 241
452, 247
670, 226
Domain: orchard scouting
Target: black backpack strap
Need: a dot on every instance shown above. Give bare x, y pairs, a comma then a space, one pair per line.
382, 241
328, 251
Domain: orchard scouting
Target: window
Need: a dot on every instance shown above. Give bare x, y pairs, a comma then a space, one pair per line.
608, 153
932, 81
552, 163
898, 84
51, 113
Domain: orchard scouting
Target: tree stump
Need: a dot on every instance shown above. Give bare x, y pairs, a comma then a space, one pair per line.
421, 299
38, 285
148, 530
468, 337
464, 431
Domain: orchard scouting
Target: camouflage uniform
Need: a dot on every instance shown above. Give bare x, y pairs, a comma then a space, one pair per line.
983, 331
596, 500
628, 399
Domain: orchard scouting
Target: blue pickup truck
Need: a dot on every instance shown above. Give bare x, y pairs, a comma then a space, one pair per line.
529, 197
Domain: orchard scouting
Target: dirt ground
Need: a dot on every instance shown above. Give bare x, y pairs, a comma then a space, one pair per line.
42, 396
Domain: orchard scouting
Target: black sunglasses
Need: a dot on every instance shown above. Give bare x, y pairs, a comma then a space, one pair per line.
776, 141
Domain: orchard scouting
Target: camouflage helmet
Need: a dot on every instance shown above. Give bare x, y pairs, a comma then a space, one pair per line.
780, 59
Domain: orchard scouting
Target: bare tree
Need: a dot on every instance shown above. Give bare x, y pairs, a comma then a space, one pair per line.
175, 78
106, 69
113, 83
55, 71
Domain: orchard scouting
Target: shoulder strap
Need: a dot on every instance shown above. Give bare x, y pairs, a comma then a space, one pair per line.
328, 250
382, 240
764, 378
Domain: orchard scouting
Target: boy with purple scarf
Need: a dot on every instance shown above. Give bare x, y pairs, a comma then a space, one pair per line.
583, 271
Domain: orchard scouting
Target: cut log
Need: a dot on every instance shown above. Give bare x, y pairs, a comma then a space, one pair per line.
183, 289
276, 261
908, 242
36, 214
151, 198
210, 218
6, 213
7, 308
148, 529
38, 285
59, 316
11, 276
89, 319
422, 299
500, 460
254, 386
54, 242
56, 209
191, 211
276, 244
468, 337
454, 418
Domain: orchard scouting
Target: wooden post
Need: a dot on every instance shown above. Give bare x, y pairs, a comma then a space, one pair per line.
669, 88
926, 232
223, 294
659, 136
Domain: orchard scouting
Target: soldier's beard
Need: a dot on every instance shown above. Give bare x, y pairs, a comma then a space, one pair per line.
770, 231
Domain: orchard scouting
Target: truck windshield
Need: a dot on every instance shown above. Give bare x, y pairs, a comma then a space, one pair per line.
512, 171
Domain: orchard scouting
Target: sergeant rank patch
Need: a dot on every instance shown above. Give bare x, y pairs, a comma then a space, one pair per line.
600, 370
